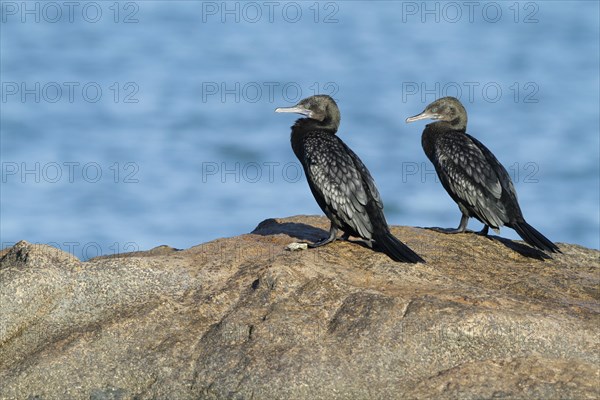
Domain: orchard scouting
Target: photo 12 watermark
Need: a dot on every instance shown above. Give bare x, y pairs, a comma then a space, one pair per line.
251, 172
242, 253
490, 92
253, 12
69, 172
453, 12
271, 92
68, 92
424, 172
85, 250
52, 12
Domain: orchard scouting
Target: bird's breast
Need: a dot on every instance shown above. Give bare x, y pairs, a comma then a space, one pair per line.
428, 141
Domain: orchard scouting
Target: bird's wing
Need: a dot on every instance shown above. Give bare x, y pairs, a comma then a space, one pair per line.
503, 176
368, 180
341, 180
471, 177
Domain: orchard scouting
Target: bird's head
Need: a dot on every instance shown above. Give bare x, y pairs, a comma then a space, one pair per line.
447, 109
320, 108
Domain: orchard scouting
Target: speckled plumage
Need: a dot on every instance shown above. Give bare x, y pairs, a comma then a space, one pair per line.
472, 175
339, 181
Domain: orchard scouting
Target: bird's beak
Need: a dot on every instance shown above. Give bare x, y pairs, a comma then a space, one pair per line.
424, 115
295, 109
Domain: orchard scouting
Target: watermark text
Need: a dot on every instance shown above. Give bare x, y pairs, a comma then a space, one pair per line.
69, 171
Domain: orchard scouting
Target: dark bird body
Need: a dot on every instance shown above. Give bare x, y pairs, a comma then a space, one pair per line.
472, 175
339, 181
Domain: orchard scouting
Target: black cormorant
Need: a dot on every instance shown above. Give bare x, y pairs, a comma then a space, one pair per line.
339, 181
471, 175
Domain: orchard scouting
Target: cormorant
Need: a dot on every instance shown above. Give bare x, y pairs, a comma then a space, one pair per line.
339, 181
472, 175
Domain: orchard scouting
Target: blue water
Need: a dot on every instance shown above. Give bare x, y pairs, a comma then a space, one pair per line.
129, 125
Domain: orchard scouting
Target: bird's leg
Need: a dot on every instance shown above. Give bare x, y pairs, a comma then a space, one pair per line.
462, 227
331, 238
484, 231
345, 236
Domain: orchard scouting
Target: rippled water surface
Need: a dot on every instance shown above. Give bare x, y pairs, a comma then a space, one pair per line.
134, 124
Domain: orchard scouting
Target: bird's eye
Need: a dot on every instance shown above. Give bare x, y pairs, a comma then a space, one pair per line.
434, 110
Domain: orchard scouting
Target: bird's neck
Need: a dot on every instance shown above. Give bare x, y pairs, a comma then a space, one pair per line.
457, 124
444, 126
303, 126
431, 134
308, 125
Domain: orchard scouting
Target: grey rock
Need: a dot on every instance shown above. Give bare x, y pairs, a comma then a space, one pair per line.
242, 318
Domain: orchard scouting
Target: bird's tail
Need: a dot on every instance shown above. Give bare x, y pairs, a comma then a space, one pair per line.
395, 249
533, 237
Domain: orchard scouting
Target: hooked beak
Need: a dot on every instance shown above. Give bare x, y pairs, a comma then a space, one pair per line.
295, 109
424, 115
